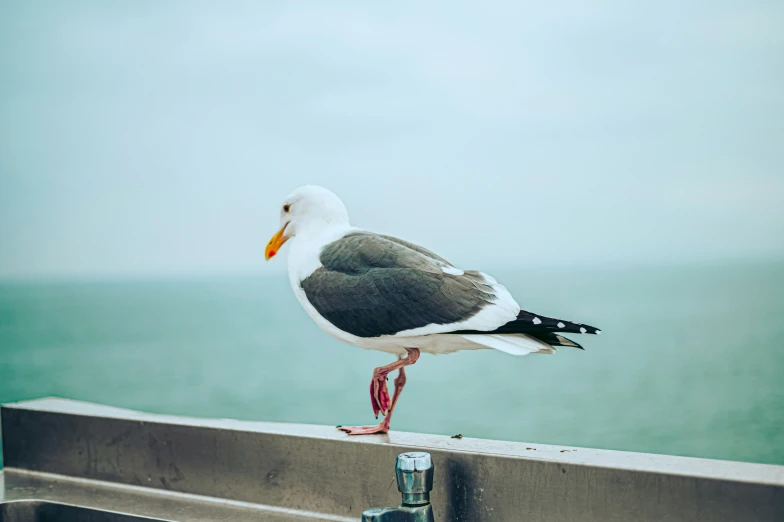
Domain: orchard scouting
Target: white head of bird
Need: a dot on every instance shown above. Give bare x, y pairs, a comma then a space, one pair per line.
307, 211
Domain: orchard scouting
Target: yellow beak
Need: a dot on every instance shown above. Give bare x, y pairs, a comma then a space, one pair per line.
277, 240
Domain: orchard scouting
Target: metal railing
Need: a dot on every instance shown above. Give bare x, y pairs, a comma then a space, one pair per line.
177, 468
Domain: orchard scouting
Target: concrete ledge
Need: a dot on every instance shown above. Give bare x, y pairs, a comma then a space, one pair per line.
317, 469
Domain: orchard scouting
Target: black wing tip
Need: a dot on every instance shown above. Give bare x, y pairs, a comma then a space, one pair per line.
555, 340
526, 322
569, 342
533, 325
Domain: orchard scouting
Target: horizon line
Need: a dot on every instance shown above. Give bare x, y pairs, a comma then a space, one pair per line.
245, 273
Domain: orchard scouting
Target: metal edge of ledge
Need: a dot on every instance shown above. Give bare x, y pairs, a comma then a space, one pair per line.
156, 505
643, 462
318, 469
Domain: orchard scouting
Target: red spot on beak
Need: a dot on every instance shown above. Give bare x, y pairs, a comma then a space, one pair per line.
272, 253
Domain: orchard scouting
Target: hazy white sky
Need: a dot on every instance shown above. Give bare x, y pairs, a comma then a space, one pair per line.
158, 137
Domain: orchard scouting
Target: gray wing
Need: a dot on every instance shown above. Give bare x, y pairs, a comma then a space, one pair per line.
372, 285
439, 260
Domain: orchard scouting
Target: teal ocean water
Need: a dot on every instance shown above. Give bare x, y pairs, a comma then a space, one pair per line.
691, 361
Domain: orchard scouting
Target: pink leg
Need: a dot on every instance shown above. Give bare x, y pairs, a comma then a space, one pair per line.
400, 382
379, 394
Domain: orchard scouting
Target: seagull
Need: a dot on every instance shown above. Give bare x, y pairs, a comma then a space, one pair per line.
381, 293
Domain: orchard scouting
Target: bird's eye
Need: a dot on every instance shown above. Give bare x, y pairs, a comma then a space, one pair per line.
286, 208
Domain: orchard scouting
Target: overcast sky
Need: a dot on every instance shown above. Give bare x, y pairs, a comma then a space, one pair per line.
146, 138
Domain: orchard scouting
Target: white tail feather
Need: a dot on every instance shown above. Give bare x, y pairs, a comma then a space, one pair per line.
513, 344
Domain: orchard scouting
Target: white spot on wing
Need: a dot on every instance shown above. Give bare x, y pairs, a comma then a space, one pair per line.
452, 270
583, 330
598, 332
561, 325
537, 320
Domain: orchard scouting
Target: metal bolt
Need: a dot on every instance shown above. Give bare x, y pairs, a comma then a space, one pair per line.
414, 471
